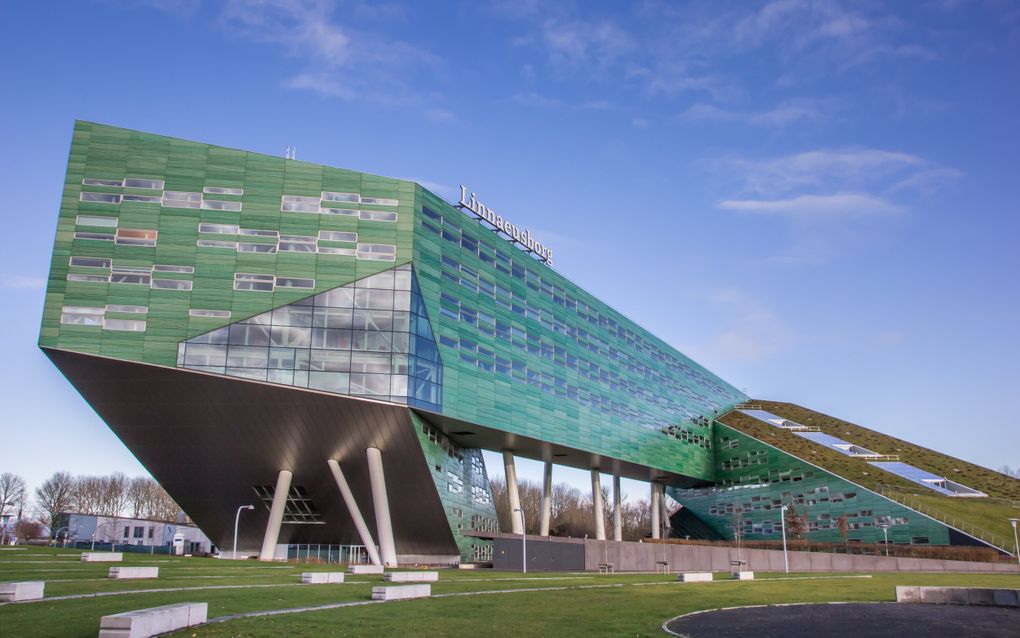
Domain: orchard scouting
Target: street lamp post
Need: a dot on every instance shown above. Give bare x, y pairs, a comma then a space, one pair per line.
782, 522
1016, 544
524, 544
237, 520
885, 533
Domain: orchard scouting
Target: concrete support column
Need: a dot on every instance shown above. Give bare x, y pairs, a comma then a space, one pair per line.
617, 514
665, 512
656, 510
381, 502
276, 515
352, 509
511, 491
596, 502
546, 499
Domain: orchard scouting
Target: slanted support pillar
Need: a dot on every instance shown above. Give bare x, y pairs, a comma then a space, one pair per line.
617, 514
656, 510
276, 515
383, 525
546, 499
352, 509
511, 491
596, 503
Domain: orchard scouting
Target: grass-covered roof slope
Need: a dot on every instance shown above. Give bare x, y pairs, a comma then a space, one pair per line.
991, 514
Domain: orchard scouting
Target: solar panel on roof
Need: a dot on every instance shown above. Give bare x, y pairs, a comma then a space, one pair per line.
914, 474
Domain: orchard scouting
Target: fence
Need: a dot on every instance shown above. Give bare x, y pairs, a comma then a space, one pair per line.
317, 553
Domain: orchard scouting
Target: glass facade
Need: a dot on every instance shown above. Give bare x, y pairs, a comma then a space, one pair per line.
370, 338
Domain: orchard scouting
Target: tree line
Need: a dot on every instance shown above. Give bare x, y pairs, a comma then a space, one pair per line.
102, 495
572, 511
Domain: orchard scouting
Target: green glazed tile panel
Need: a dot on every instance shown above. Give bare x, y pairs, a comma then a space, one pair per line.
105, 152
757, 479
463, 487
526, 351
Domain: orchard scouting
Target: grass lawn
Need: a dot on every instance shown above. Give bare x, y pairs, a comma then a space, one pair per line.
580, 604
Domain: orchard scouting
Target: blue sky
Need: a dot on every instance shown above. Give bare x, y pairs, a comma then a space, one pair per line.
815, 199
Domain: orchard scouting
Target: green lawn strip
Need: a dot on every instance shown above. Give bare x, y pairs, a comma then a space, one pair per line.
611, 611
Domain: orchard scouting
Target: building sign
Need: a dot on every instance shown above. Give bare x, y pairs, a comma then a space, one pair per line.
514, 233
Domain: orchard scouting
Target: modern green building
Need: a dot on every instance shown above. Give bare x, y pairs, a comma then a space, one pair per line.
339, 347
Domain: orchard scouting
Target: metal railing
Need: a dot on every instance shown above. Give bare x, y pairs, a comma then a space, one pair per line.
997, 541
323, 553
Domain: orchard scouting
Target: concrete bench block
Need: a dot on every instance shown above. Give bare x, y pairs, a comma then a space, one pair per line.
25, 590
411, 577
934, 595
908, 594
1006, 597
102, 557
980, 596
124, 573
365, 569
401, 592
144, 623
957, 596
322, 578
694, 577
743, 575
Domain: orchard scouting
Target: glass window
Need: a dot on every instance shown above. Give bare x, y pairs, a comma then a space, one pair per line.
88, 278
169, 268
218, 314
92, 220
124, 275
380, 201
150, 199
294, 282
100, 198
336, 235
171, 284
181, 199
135, 310
378, 216
255, 232
221, 229
136, 237
213, 243
249, 281
220, 190
251, 247
247, 357
299, 204
125, 325
153, 184
329, 210
290, 336
90, 262
328, 196
113, 183
336, 250
297, 244
217, 204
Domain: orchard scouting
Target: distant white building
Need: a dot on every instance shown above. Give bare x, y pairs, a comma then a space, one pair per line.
184, 537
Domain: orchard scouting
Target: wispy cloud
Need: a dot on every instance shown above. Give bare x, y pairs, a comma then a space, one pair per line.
826, 169
22, 282
795, 111
751, 330
837, 205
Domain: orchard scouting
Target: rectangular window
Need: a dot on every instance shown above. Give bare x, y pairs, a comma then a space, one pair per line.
334, 250
134, 310
152, 184
130, 276
100, 198
249, 281
250, 247
377, 252
220, 190
340, 197
299, 204
213, 243
124, 325
380, 201
90, 262
336, 235
220, 229
135, 237
88, 278
93, 220
255, 232
181, 199
218, 204
139, 532
378, 216
82, 316
214, 314
297, 244
347, 212
294, 282
150, 199
113, 183
172, 284
187, 270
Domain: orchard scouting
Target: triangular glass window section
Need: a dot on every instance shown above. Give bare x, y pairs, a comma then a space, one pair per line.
370, 338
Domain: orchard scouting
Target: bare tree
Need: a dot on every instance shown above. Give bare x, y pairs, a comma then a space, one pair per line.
101, 495
1008, 471
55, 496
12, 493
796, 523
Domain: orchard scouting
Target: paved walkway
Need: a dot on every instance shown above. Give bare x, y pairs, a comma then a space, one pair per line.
850, 620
